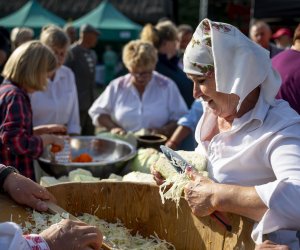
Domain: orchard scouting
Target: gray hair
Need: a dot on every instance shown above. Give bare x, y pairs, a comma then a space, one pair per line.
54, 36
20, 35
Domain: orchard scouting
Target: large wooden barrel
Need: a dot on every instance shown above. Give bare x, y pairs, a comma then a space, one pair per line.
139, 207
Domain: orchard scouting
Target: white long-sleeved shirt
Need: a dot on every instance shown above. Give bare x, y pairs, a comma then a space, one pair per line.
58, 104
161, 102
262, 150
11, 238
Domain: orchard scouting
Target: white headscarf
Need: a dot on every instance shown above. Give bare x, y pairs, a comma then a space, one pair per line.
239, 64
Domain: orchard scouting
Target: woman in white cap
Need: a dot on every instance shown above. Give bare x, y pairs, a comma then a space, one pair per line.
252, 141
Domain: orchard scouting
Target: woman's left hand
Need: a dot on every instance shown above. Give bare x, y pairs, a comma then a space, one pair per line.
199, 193
27, 192
50, 129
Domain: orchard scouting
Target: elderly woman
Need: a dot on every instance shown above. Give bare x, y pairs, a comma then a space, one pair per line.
142, 99
58, 103
25, 72
252, 141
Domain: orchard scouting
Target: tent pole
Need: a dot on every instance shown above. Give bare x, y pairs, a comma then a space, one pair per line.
203, 9
252, 20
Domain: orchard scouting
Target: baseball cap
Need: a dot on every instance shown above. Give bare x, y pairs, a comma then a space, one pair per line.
87, 28
281, 32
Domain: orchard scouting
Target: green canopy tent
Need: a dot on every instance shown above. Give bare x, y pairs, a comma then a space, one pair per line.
31, 15
112, 24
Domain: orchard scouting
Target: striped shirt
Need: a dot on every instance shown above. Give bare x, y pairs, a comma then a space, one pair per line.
18, 145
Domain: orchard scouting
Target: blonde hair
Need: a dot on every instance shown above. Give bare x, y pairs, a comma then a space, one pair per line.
139, 54
54, 36
29, 64
21, 35
163, 31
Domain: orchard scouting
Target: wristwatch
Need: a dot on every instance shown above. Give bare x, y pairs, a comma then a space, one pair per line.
4, 173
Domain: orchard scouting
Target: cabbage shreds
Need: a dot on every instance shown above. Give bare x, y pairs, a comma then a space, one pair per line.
176, 183
39, 222
174, 180
115, 232
121, 236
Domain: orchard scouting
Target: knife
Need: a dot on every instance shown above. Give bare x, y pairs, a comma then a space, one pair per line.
175, 159
180, 164
55, 209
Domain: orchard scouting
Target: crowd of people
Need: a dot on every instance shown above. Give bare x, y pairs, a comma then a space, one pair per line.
179, 84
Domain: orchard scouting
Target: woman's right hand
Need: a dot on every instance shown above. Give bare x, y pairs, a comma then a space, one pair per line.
52, 139
199, 193
76, 235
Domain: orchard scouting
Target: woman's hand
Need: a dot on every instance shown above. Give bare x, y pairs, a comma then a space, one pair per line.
270, 245
50, 129
159, 179
26, 192
118, 131
68, 234
199, 193
52, 139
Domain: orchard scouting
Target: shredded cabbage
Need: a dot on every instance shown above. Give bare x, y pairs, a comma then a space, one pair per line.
175, 182
121, 236
115, 232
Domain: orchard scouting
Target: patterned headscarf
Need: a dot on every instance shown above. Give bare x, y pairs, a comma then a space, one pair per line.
239, 64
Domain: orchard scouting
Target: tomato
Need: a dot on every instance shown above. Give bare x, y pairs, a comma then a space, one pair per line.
55, 148
84, 157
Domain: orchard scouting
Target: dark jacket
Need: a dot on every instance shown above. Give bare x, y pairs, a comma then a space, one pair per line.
169, 68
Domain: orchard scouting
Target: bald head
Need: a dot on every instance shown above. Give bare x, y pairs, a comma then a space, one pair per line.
260, 32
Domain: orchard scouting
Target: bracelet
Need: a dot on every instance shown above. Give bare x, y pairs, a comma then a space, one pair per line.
36, 241
4, 173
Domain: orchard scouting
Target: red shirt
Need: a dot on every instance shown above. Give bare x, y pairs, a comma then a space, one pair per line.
18, 145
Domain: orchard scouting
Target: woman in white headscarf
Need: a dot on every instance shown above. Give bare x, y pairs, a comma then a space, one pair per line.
252, 141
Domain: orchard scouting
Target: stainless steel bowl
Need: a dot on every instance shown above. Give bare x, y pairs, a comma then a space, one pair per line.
109, 156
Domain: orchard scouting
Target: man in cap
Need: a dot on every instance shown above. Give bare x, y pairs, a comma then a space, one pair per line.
82, 60
283, 38
260, 32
